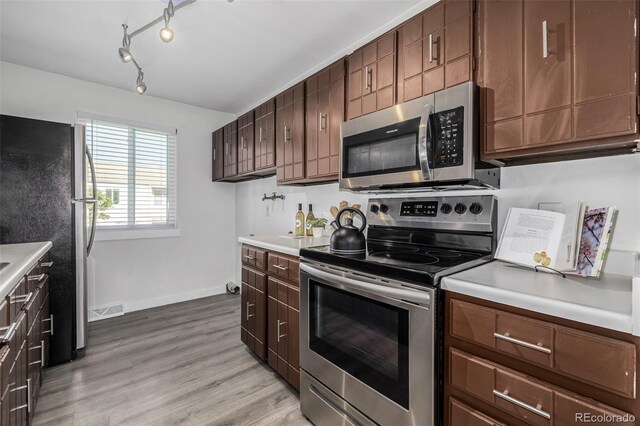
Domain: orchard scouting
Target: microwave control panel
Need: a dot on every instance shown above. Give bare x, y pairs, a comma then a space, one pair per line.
448, 138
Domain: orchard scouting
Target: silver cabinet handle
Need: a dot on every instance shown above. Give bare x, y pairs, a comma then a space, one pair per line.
507, 338
36, 277
249, 257
248, 306
242, 142
50, 331
535, 410
430, 48
46, 264
280, 267
23, 298
214, 154
226, 148
370, 78
323, 122
366, 78
285, 134
545, 43
260, 138
10, 330
281, 335
42, 353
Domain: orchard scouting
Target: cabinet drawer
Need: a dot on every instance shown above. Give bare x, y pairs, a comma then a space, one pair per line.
461, 414
254, 257
607, 363
287, 267
525, 398
254, 279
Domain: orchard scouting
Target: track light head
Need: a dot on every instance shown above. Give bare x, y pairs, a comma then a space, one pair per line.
125, 55
166, 34
140, 86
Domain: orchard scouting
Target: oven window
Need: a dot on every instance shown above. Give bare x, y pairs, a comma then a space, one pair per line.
387, 156
366, 338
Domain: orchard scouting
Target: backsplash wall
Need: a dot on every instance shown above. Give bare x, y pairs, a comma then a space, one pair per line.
599, 181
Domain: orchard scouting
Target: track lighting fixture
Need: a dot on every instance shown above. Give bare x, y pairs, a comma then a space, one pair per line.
140, 86
166, 35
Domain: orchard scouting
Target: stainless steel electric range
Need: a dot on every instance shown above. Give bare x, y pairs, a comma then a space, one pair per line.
371, 326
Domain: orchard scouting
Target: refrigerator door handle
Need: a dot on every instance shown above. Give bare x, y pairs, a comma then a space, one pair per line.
94, 216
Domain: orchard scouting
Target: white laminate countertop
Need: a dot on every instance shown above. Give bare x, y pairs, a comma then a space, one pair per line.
605, 302
284, 244
21, 257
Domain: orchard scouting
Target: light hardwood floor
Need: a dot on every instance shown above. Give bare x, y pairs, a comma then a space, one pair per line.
181, 364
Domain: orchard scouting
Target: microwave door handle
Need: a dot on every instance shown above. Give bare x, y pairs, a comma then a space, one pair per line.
424, 142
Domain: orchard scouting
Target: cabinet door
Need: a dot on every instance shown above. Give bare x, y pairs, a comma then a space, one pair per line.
434, 49
297, 132
293, 329
502, 75
313, 121
355, 85
244, 312
260, 317
217, 154
264, 134
272, 327
282, 337
604, 82
245, 144
230, 149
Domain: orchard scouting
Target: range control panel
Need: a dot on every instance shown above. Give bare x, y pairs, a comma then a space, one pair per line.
472, 212
448, 137
419, 208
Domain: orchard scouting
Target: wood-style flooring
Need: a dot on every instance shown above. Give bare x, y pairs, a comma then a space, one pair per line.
181, 364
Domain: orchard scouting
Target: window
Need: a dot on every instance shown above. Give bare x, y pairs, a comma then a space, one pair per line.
135, 170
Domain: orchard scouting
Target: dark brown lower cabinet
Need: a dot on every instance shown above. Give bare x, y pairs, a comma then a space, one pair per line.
505, 365
26, 325
270, 309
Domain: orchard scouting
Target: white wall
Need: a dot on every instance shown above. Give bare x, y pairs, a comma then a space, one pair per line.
145, 272
599, 181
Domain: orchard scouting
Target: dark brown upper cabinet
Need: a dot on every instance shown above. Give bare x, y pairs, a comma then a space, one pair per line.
324, 114
231, 149
245, 143
549, 83
290, 142
217, 154
264, 135
435, 49
371, 80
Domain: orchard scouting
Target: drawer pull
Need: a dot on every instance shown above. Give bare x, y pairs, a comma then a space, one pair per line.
36, 277
535, 410
282, 268
10, 330
510, 339
22, 298
46, 264
249, 257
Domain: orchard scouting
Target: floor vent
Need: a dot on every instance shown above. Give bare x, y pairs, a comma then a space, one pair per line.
103, 312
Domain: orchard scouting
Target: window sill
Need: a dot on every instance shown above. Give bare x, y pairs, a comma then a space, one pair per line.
135, 234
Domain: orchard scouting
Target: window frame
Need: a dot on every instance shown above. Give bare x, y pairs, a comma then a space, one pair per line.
107, 233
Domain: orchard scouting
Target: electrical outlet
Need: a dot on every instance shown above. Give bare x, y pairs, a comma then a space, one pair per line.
552, 207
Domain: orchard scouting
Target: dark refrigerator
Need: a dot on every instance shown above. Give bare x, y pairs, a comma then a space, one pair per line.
42, 199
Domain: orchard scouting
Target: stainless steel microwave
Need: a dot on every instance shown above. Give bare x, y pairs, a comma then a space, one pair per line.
429, 142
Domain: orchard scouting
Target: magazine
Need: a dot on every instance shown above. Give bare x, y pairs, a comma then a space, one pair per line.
573, 243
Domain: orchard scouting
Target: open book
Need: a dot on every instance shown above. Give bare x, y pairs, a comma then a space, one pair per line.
574, 243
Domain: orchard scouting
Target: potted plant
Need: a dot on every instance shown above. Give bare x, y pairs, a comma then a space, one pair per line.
317, 226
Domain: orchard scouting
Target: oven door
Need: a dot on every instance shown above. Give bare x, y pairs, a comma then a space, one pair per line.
371, 342
387, 148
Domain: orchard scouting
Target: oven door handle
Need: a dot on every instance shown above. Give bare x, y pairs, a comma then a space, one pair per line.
413, 296
424, 142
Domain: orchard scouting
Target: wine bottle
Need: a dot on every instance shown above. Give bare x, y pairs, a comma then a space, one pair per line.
308, 221
300, 221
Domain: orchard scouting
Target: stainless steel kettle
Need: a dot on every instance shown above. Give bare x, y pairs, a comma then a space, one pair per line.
348, 239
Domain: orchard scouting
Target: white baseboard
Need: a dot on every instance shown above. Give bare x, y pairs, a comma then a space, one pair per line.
172, 298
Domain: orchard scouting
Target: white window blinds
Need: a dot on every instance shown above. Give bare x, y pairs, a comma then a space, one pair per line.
135, 174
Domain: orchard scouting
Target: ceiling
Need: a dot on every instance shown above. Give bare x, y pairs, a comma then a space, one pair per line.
225, 56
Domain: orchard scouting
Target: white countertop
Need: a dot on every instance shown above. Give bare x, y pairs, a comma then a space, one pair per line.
606, 302
284, 244
21, 258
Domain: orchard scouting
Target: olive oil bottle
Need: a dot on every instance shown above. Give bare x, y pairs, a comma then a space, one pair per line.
300, 221
310, 216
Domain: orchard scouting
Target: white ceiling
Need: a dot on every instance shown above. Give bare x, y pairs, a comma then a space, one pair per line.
225, 56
